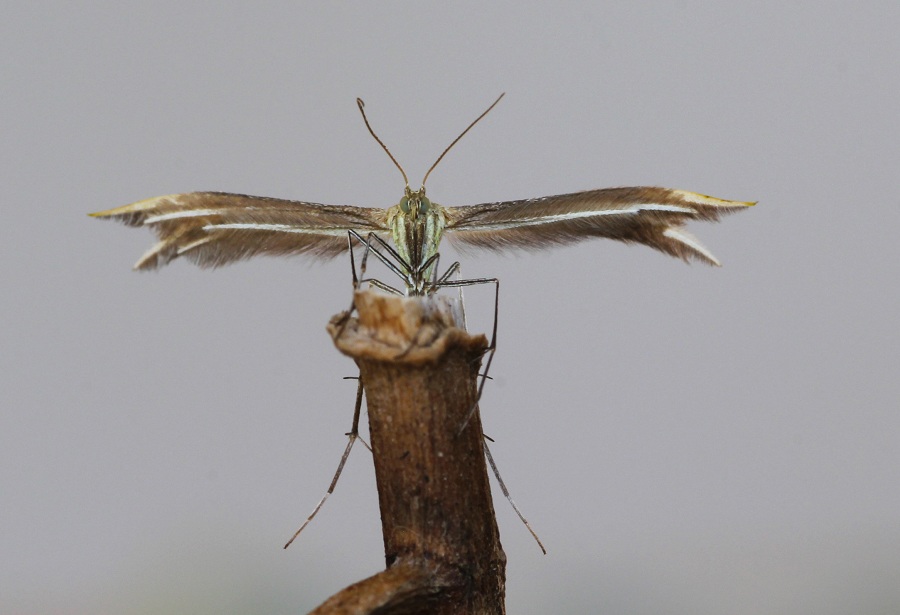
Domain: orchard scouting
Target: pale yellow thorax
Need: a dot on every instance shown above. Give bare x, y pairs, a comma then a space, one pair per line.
416, 226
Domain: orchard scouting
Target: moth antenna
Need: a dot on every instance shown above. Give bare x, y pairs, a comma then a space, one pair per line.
461, 135
361, 104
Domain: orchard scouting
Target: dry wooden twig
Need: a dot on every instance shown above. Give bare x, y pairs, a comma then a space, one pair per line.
442, 546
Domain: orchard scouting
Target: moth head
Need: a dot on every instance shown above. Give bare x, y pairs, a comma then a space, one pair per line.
415, 203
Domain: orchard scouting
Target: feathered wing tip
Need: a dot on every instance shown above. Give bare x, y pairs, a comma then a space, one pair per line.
652, 216
137, 214
673, 239
216, 228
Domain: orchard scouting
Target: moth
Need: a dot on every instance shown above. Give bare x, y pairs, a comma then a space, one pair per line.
216, 228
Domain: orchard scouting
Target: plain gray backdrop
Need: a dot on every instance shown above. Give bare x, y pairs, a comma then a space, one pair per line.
686, 440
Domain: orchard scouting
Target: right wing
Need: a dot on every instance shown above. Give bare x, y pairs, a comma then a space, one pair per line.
216, 228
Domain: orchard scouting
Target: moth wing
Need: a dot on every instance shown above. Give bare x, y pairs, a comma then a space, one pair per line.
217, 228
647, 215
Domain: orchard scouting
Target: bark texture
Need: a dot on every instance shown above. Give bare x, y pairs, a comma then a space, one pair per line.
442, 546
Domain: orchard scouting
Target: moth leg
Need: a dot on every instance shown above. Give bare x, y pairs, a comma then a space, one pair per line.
353, 434
490, 458
358, 280
492, 346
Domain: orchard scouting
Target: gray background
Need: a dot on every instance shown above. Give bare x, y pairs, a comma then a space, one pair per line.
685, 439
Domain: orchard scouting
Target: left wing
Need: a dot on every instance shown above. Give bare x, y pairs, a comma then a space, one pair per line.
652, 216
216, 228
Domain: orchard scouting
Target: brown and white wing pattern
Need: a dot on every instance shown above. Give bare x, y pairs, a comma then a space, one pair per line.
216, 228
652, 216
